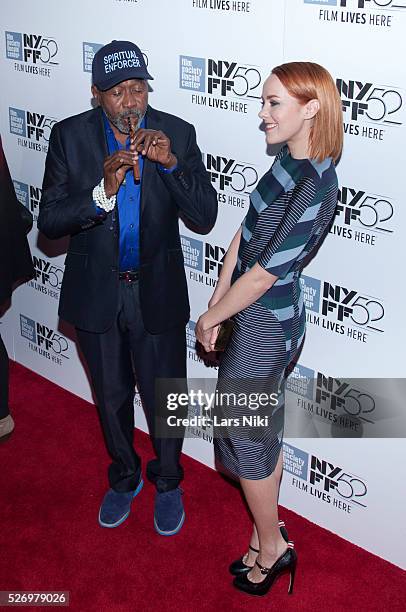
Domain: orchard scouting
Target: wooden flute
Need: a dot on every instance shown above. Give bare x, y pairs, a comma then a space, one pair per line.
136, 167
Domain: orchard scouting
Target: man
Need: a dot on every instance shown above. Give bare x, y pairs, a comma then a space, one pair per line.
124, 287
15, 266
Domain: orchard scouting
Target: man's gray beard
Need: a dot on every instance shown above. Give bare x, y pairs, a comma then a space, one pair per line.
120, 121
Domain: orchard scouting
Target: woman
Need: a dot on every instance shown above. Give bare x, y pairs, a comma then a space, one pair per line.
259, 287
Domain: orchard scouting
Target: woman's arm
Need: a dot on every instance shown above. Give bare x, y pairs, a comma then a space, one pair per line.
275, 260
224, 280
244, 292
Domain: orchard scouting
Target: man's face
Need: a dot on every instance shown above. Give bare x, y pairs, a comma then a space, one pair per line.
126, 100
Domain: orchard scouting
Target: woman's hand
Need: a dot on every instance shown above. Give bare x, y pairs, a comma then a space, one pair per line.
214, 334
206, 335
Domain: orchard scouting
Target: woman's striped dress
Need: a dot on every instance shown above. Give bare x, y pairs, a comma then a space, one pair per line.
289, 212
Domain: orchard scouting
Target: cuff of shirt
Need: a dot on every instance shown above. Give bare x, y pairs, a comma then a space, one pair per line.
167, 170
99, 211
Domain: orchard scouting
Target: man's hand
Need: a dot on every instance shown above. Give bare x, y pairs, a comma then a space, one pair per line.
154, 145
115, 167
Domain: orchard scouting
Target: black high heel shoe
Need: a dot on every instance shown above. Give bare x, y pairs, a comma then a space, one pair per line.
286, 563
239, 567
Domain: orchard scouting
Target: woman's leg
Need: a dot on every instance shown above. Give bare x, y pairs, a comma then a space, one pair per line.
262, 498
4, 411
244, 369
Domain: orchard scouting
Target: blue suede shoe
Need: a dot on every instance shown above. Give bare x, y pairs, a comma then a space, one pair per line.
116, 506
169, 514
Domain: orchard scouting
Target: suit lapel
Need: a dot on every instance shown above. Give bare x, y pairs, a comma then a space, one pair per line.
153, 122
97, 140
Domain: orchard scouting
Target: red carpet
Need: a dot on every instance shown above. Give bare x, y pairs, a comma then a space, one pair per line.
52, 481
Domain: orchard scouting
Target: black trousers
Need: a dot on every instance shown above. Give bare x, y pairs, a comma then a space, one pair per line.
115, 358
4, 367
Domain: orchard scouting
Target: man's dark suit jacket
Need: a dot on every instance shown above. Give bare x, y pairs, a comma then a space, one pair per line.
74, 165
15, 257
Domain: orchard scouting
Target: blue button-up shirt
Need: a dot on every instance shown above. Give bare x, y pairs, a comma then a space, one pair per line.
128, 204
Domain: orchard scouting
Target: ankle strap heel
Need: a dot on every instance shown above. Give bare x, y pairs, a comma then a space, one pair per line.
285, 563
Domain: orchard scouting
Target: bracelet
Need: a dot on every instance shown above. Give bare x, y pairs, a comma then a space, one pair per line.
102, 201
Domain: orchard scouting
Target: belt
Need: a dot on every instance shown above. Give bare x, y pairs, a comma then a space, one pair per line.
130, 276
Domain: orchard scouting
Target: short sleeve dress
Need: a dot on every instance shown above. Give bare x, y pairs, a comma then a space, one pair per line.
289, 213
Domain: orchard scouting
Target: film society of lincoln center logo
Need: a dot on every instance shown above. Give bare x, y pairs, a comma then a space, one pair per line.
44, 340
371, 13
326, 482
204, 259
89, 49
32, 53
200, 414
222, 84
370, 110
191, 342
362, 216
203, 428
337, 401
29, 196
31, 128
234, 180
342, 310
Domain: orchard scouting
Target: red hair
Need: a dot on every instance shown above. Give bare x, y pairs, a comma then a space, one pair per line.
308, 81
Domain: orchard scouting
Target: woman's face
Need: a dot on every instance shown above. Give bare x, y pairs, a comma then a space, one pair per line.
285, 119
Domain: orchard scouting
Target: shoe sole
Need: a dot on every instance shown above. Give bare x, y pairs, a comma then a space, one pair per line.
174, 531
6, 437
123, 518
284, 534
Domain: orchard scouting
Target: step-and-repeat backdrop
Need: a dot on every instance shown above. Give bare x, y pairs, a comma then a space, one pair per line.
343, 457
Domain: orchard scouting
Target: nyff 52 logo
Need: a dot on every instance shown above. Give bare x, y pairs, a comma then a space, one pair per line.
202, 256
229, 174
336, 394
31, 125
334, 478
47, 273
220, 77
44, 337
31, 48
363, 101
341, 396
368, 210
204, 259
323, 479
342, 304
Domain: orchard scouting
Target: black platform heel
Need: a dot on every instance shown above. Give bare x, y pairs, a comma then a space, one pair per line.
286, 563
239, 567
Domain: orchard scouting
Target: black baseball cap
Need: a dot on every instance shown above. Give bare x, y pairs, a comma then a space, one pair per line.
118, 61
